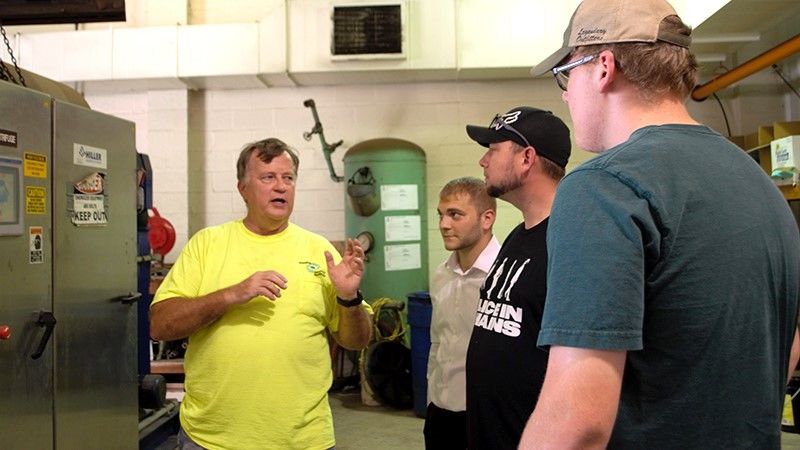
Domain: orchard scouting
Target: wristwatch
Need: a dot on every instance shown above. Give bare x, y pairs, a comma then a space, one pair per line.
350, 303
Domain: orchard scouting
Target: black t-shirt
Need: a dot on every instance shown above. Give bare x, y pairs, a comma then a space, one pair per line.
505, 369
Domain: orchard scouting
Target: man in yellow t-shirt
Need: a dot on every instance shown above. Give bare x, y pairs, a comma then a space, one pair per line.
256, 298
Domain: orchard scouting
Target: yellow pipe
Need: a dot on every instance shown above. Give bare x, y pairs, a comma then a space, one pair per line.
750, 67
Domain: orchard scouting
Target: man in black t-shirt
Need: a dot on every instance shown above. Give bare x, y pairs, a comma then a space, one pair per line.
528, 150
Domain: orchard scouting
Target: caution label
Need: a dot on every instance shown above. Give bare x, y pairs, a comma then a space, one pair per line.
35, 199
88, 210
36, 240
35, 165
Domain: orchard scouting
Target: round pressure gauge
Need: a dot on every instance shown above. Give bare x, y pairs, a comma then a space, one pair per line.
366, 240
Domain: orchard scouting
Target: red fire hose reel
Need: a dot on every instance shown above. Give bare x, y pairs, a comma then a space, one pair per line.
161, 233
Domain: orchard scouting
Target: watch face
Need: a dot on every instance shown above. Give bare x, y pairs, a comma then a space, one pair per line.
366, 240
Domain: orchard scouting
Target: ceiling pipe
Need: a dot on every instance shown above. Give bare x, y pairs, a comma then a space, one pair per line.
726, 38
750, 67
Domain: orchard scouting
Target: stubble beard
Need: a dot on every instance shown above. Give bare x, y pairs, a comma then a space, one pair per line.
497, 190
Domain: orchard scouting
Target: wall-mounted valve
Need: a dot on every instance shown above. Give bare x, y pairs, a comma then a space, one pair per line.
327, 149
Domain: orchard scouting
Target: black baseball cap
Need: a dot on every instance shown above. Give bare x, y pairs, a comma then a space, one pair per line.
527, 126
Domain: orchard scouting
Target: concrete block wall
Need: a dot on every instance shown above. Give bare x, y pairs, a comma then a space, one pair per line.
161, 119
194, 137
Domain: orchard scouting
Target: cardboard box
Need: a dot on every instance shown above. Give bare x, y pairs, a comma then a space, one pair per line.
786, 153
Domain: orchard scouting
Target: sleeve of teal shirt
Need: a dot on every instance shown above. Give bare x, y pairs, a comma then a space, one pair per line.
601, 227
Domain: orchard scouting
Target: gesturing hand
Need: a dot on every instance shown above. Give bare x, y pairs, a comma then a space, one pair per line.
346, 276
267, 283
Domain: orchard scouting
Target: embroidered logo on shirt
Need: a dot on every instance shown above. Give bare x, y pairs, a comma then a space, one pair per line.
314, 268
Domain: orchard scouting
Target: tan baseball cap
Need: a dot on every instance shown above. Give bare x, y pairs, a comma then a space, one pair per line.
611, 21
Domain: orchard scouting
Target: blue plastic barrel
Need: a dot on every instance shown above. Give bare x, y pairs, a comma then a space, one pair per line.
419, 319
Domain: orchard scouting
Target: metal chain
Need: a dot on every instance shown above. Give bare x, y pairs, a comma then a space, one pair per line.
13, 59
5, 74
3, 70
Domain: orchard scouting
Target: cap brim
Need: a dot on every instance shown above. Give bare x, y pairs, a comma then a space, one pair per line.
486, 136
482, 135
550, 62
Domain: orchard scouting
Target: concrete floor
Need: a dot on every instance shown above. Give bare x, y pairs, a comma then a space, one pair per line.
360, 427
790, 441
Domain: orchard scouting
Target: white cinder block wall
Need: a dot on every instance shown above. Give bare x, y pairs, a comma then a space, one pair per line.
194, 137
161, 118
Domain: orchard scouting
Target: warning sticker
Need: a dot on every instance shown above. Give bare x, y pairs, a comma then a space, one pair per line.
88, 210
35, 199
35, 165
36, 245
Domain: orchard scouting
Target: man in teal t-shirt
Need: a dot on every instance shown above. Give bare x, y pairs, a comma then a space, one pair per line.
674, 262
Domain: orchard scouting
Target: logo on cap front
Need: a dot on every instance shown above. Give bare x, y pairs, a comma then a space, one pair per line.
590, 35
508, 118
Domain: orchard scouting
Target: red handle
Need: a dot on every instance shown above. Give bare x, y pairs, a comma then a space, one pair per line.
5, 332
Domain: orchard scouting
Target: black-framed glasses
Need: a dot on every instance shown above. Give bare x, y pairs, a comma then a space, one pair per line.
500, 122
561, 73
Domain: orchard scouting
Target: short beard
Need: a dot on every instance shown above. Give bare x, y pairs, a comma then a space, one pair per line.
497, 191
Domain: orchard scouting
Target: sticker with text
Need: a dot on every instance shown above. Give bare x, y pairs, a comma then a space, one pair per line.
36, 244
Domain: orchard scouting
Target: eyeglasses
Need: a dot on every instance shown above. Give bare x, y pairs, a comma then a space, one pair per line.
500, 122
561, 73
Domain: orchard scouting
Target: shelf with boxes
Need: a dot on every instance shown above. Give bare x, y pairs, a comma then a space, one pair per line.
776, 148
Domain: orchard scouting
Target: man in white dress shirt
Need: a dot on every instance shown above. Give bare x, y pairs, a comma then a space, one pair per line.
466, 215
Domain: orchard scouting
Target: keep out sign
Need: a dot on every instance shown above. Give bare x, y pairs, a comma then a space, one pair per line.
88, 210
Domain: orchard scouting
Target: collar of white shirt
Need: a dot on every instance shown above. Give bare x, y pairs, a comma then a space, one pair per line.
483, 263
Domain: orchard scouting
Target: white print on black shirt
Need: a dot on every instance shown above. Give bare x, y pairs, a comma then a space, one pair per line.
493, 315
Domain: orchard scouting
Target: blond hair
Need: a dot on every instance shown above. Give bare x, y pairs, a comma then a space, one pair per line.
472, 187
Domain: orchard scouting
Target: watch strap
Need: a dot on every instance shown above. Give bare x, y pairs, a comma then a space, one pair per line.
352, 302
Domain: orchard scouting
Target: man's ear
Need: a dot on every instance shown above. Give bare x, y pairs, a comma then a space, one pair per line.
528, 155
607, 70
487, 219
240, 186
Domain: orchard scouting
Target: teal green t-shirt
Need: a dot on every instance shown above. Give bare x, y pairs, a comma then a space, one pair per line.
677, 248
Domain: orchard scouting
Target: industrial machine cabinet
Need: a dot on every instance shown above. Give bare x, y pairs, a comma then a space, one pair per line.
68, 275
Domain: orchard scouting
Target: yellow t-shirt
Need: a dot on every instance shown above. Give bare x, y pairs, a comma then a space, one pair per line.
258, 377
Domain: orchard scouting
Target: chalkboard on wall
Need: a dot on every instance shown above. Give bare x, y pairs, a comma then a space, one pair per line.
367, 30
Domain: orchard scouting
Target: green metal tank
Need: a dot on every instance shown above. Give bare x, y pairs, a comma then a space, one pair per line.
385, 210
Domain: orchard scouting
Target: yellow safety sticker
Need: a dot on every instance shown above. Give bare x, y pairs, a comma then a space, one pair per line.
35, 165
35, 199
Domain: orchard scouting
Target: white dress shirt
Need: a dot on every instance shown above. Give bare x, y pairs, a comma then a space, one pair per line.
454, 296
